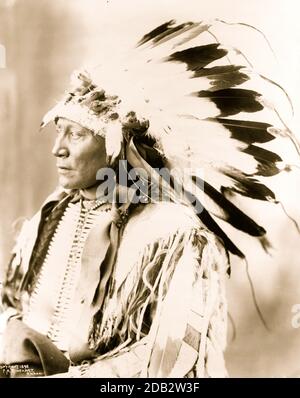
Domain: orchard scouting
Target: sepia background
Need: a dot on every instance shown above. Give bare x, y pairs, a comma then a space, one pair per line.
45, 40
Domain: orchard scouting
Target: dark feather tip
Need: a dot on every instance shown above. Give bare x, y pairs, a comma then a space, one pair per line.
266, 160
232, 101
222, 77
172, 32
198, 57
246, 131
233, 215
249, 187
156, 32
211, 224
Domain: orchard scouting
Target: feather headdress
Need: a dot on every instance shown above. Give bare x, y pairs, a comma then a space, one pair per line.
184, 99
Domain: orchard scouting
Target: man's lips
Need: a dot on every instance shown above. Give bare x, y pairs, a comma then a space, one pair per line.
63, 169
62, 166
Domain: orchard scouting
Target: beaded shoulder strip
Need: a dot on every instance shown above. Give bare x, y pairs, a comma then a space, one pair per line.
50, 305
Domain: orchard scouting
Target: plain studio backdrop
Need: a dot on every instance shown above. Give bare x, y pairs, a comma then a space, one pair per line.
45, 40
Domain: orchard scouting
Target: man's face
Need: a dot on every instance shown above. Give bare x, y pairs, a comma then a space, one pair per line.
79, 155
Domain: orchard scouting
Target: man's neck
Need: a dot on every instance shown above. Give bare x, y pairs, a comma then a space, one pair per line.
92, 193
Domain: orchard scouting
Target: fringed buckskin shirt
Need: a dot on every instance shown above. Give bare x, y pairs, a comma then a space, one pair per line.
144, 298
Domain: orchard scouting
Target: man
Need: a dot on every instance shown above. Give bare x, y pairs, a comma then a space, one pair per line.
96, 282
124, 277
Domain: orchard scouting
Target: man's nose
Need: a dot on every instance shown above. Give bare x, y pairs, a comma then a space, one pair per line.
60, 148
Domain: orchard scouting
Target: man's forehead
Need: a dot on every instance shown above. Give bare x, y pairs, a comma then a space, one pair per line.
63, 123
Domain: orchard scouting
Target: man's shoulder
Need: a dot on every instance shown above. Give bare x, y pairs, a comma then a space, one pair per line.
156, 221
165, 226
162, 217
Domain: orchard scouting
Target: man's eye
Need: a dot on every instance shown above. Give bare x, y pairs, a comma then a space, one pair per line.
76, 134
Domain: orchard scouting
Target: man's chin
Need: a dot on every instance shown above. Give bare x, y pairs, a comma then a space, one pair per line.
67, 184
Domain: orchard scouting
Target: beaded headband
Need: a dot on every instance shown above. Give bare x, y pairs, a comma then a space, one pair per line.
87, 105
